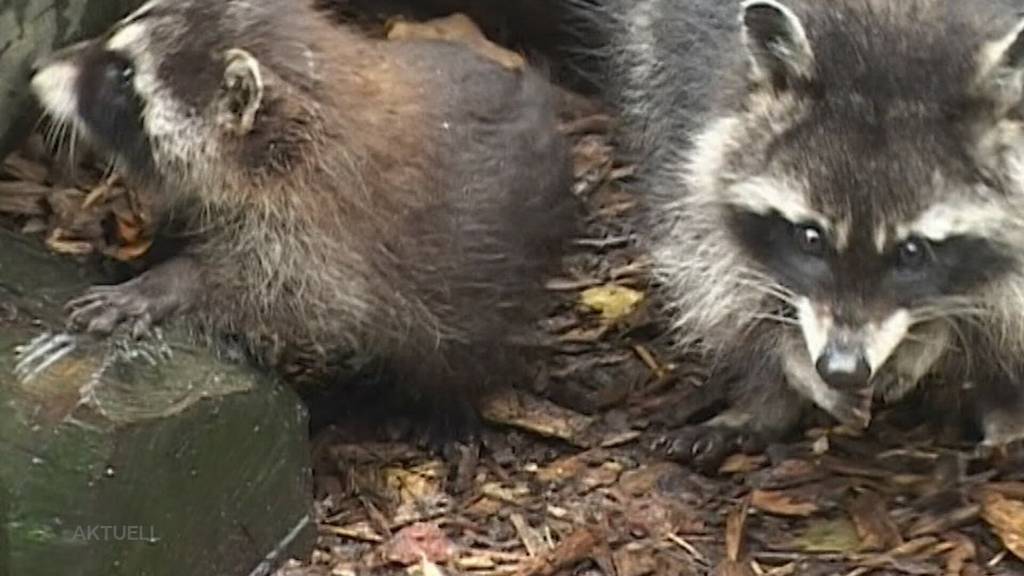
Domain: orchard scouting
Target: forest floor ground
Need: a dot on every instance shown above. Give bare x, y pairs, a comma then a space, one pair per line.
564, 481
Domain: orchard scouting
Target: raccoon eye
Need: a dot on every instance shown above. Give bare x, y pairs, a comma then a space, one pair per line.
810, 238
912, 254
127, 74
121, 73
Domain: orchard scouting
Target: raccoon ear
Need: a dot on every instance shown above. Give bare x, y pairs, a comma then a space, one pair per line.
776, 44
1002, 70
241, 92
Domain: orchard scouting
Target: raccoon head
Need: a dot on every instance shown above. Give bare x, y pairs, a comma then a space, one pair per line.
177, 90
871, 166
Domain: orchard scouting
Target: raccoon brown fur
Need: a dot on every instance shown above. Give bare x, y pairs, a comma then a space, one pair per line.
345, 199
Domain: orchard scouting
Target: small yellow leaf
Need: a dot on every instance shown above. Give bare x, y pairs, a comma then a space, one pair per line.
613, 302
836, 535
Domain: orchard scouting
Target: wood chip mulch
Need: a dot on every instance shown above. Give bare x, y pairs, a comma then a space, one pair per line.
563, 483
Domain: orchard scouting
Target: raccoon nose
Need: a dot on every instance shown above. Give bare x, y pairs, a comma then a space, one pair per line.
843, 368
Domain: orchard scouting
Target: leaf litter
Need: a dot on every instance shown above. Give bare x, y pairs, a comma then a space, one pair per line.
563, 483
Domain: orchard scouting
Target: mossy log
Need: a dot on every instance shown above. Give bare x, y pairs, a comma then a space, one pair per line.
117, 461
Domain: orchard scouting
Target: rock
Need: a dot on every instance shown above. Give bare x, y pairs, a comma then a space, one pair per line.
29, 28
112, 464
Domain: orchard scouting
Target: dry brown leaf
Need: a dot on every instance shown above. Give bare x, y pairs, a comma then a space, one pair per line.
787, 474
781, 503
515, 495
473, 563
634, 561
59, 244
929, 523
645, 479
412, 489
20, 198
456, 28
102, 194
734, 527
654, 515
361, 531
875, 525
1008, 489
129, 252
569, 466
17, 167
1006, 518
572, 550
601, 476
483, 508
532, 540
963, 551
520, 410
131, 227
133, 236
425, 568
742, 463
734, 564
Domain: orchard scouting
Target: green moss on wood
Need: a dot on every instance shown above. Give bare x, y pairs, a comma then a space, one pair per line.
193, 466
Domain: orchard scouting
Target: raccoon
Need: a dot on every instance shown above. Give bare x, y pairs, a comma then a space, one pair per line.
343, 199
835, 201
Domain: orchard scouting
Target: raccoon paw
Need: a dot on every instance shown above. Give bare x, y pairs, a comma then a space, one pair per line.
448, 428
103, 309
457, 440
852, 410
138, 304
706, 447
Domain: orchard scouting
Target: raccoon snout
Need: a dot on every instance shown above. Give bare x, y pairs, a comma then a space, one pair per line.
843, 367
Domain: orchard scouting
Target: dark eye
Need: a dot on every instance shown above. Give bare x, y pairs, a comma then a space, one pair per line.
120, 73
912, 254
810, 239
127, 73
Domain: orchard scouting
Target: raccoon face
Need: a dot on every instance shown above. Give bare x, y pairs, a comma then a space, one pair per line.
861, 172
163, 89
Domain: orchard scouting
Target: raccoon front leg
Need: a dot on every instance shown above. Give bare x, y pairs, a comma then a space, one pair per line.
140, 303
763, 408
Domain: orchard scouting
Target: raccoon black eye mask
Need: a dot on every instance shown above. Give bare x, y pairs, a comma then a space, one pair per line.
814, 207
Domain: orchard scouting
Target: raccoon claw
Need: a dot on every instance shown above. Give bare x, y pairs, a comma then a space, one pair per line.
103, 309
707, 447
42, 352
